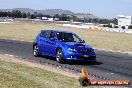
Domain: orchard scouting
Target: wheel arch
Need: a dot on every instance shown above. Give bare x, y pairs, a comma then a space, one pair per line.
58, 49
34, 45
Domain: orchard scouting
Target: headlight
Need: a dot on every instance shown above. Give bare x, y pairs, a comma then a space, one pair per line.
93, 50
72, 50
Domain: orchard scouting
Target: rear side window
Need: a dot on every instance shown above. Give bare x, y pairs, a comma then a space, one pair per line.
52, 35
45, 34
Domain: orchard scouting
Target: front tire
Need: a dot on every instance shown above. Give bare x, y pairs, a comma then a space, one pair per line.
59, 56
36, 51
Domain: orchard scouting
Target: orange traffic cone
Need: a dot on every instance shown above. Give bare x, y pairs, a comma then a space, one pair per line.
84, 81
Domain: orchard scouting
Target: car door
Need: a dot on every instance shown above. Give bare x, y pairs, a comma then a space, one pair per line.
44, 42
52, 44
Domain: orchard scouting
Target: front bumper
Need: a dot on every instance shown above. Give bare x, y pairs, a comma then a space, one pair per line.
76, 56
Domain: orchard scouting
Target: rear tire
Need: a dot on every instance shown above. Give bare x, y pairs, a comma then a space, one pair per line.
36, 51
59, 56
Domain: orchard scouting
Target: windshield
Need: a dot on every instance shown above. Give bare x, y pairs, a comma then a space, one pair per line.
68, 37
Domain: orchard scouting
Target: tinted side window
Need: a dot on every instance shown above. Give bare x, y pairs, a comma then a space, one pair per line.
42, 34
46, 34
52, 35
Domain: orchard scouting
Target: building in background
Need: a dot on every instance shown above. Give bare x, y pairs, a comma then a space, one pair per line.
44, 18
124, 21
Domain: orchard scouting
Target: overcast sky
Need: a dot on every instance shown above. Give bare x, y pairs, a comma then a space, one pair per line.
103, 8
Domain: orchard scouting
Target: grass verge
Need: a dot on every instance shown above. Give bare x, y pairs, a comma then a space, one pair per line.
14, 75
19, 73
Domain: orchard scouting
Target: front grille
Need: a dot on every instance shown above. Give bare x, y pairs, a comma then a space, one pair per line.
86, 58
85, 51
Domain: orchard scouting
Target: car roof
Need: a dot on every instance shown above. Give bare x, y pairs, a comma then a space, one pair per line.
56, 31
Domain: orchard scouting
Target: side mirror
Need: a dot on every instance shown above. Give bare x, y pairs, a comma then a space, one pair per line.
83, 41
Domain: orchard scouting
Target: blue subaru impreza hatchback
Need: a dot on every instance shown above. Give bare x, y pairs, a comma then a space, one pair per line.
64, 46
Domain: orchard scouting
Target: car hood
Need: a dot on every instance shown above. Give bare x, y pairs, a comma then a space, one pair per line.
76, 45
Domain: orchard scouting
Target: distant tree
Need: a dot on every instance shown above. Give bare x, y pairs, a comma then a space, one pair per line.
35, 14
95, 20
39, 15
80, 20
64, 17
105, 21
24, 15
9, 14
4, 14
0, 13
56, 16
108, 25
89, 20
16, 14
73, 17
32, 16
28, 15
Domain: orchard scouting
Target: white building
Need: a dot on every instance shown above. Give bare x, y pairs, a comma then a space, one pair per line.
44, 18
50, 19
56, 19
124, 21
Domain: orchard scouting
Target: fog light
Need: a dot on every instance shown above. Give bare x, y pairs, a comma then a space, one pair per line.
72, 56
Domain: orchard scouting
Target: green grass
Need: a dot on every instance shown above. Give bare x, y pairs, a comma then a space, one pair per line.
98, 39
14, 75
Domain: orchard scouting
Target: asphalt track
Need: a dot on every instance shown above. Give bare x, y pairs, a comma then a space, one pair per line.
109, 65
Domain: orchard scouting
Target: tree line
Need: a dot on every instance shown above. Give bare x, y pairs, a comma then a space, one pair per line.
19, 14
62, 17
